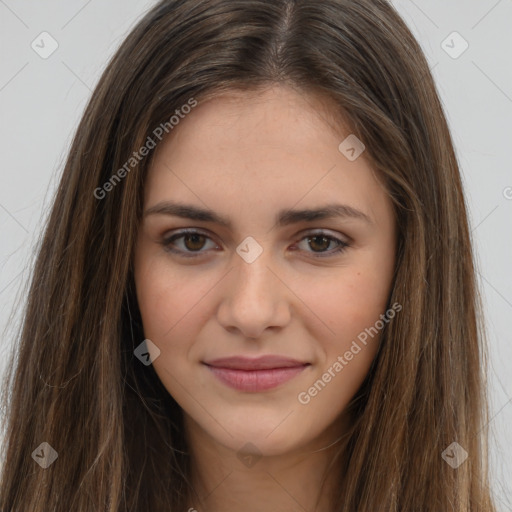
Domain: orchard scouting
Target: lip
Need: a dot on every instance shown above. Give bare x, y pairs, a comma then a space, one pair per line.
253, 375
259, 363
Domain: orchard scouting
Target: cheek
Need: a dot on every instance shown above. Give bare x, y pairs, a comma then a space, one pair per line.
348, 303
172, 302
170, 306
161, 295
351, 307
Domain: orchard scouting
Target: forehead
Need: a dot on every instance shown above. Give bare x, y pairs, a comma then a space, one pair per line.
274, 148
279, 114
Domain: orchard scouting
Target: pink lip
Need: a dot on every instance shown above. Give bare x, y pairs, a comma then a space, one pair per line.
254, 375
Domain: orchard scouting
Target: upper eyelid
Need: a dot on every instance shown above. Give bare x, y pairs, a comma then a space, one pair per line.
308, 232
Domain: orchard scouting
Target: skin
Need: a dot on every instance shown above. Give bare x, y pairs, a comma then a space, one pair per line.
246, 156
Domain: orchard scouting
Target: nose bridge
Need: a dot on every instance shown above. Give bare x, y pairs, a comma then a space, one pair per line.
253, 279
254, 297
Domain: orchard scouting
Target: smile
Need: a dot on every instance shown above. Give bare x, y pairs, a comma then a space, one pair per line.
255, 380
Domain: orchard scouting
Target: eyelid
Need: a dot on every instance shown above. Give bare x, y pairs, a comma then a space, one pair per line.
342, 244
176, 235
327, 232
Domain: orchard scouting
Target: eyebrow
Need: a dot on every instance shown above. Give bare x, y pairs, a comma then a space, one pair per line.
284, 217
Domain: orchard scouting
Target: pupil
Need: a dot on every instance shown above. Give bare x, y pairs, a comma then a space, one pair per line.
323, 238
194, 237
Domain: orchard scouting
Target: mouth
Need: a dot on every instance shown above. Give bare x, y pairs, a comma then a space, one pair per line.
254, 375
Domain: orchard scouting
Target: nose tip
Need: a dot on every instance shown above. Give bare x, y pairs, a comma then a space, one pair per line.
254, 299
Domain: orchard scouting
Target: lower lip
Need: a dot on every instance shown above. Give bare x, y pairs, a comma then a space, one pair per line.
255, 380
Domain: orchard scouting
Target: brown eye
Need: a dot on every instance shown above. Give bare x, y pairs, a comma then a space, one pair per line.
190, 243
320, 243
194, 241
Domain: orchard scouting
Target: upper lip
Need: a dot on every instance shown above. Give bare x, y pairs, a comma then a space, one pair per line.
260, 363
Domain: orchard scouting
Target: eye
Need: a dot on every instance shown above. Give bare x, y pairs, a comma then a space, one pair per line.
192, 242
320, 241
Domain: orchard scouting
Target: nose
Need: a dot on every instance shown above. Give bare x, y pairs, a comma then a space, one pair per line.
254, 298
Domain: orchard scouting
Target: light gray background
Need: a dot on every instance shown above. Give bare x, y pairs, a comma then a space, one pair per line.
41, 101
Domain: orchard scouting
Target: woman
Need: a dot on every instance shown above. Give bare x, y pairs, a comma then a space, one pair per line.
256, 285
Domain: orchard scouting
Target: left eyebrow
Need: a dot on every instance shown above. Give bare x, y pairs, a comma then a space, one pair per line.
284, 217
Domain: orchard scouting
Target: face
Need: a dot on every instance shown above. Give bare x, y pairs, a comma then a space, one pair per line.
260, 277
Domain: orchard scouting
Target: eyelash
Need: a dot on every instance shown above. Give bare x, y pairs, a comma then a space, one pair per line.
167, 241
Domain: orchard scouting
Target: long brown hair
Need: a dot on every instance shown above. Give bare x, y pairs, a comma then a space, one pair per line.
74, 381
